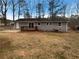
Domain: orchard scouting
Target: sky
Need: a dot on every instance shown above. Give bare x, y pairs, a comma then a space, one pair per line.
70, 5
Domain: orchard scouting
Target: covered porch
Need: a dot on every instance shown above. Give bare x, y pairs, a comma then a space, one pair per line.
30, 26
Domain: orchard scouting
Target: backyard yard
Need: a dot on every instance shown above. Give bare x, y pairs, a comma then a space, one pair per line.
39, 45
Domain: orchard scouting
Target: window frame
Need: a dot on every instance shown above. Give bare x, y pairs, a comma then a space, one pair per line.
59, 24
38, 23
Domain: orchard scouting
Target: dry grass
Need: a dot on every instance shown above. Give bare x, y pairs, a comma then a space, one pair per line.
39, 45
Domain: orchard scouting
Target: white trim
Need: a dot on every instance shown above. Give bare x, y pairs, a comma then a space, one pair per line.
66, 27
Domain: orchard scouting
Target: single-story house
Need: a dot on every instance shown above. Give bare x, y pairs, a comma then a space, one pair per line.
43, 24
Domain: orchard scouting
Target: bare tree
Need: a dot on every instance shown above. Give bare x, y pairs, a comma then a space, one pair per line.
4, 7
64, 8
19, 9
1, 8
26, 14
14, 3
55, 7
21, 4
26, 11
39, 10
43, 8
77, 6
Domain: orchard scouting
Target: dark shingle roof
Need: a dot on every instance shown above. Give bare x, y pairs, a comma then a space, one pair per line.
54, 19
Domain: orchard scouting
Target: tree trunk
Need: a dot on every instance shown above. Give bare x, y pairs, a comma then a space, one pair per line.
19, 12
5, 20
13, 13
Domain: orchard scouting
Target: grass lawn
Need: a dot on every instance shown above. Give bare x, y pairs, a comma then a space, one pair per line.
39, 45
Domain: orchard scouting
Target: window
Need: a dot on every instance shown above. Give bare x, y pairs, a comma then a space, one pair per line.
59, 23
31, 25
47, 23
38, 23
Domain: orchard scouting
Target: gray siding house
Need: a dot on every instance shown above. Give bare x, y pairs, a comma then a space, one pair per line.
55, 24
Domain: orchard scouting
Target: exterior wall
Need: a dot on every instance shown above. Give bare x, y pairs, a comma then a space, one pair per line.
47, 26
53, 27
